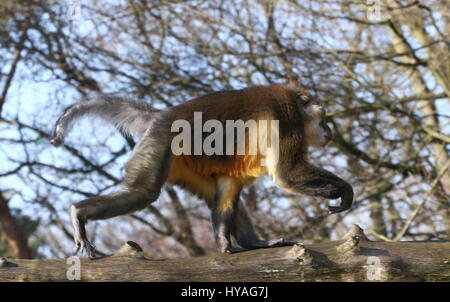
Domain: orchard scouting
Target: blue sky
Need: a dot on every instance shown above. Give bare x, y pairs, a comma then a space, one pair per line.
28, 99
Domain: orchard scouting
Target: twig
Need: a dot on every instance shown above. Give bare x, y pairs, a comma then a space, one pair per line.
417, 210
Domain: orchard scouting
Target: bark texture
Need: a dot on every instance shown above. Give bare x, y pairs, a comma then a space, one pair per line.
353, 258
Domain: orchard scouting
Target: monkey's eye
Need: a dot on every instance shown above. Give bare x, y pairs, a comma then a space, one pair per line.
305, 100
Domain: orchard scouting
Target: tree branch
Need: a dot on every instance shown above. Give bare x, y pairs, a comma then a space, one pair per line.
353, 258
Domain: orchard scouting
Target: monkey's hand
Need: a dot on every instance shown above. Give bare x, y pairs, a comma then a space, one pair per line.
307, 179
346, 200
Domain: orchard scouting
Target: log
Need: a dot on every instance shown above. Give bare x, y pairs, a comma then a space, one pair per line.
353, 258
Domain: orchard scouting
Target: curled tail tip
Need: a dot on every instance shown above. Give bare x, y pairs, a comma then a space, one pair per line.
56, 141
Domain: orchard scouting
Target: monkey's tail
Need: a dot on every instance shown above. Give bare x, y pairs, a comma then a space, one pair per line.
129, 116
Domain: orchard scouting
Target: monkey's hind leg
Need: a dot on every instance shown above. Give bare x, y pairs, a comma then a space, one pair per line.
246, 236
145, 173
223, 213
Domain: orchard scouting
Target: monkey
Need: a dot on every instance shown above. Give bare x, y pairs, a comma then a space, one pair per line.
217, 178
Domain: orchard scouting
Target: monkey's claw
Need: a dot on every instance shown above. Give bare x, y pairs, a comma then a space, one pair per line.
335, 210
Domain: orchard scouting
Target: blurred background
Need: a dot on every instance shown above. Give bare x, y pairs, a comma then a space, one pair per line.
381, 68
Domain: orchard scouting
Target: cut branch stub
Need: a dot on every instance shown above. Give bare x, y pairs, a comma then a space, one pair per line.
376, 261
356, 230
300, 253
130, 249
350, 247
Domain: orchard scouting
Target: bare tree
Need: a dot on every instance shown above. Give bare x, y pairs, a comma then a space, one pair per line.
382, 71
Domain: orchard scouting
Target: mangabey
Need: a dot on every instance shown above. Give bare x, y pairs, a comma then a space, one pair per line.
216, 178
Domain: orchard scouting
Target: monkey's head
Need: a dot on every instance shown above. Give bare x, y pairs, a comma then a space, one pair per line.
317, 132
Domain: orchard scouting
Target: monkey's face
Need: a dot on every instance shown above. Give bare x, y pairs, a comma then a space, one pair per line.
317, 132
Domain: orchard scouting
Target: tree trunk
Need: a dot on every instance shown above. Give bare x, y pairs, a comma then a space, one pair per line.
428, 108
16, 240
353, 258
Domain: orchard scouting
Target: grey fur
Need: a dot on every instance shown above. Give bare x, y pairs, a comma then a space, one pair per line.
145, 174
129, 116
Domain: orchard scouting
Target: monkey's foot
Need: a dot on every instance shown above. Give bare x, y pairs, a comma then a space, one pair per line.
84, 246
280, 242
270, 243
